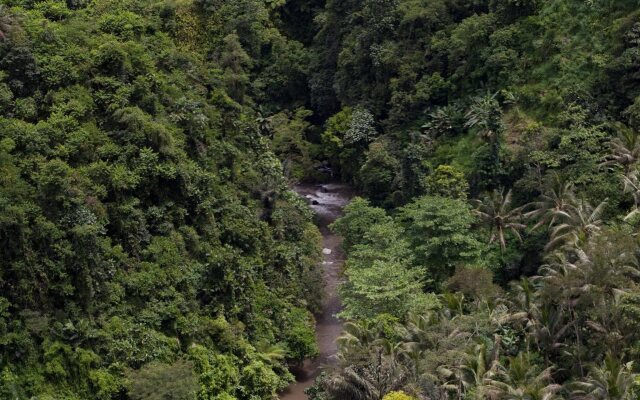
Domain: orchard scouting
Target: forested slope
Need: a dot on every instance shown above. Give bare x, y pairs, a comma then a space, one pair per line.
150, 245
495, 255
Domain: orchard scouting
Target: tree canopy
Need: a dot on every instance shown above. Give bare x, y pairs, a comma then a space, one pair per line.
151, 245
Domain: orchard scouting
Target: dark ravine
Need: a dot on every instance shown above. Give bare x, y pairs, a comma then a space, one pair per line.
327, 201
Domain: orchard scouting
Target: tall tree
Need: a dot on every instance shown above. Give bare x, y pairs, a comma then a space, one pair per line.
624, 150
497, 212
558, 198
440, 232
578, 223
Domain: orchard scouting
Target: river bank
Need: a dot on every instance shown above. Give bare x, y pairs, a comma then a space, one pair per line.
327, 201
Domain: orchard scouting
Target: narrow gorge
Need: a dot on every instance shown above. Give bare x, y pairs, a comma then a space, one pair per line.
327, 202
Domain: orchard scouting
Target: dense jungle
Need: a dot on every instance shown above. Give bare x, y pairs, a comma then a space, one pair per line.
152, 246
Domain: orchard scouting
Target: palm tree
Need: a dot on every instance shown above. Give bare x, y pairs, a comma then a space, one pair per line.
484, 116
375, 373
613, 380
579, 223
356, 340
521, 381
274, 355
625, 150
466, 378
265, 127
606, 266
415, 333
482, 363
453, 304
558, 198
444, 120
521, 309
350, 384
583, 280
631, 183
565, 275
271, 354
370, 365
525, 294
548, 330
496, 211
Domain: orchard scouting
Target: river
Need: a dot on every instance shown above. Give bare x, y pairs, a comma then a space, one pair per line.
327, 201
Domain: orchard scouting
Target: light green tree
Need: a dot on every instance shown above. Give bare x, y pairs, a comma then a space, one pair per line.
447, 181
380, 278
440, 232
358, 217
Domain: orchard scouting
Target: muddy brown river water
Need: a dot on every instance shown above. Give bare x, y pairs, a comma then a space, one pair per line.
327, 200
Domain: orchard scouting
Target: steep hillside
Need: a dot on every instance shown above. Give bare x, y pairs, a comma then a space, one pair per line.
149, 242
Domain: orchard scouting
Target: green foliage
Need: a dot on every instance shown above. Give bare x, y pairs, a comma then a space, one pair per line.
290, 144
150, 246
518, 103
300, 337
439, 230
164, 381
484, 117
382, 287
335, 129
447, 181
359, 217
381, 279
234, 61
143, 223
361, 128
379, 173
399, 395
346, 154
473, 283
